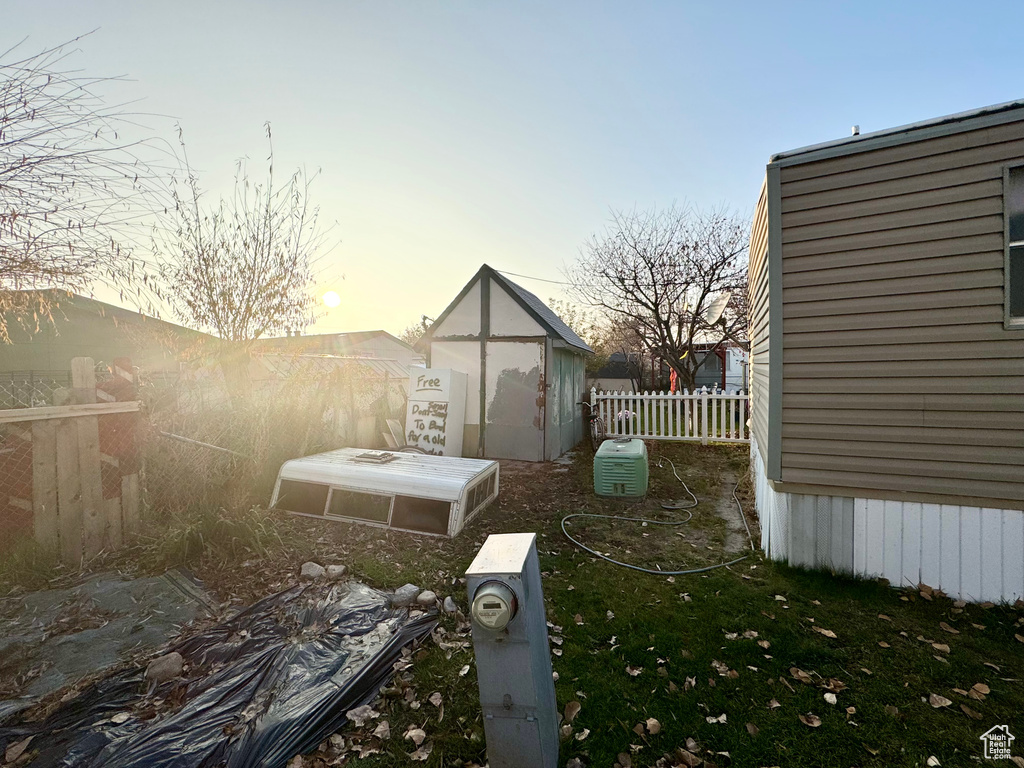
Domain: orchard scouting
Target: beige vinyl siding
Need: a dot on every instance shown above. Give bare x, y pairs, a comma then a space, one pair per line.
758, 303
899, 375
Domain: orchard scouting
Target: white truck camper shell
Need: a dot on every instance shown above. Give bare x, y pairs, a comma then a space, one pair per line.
435, 495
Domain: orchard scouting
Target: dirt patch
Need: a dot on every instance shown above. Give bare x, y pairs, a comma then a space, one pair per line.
725, 506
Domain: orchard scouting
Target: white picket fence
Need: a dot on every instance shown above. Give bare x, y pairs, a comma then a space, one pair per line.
700, 417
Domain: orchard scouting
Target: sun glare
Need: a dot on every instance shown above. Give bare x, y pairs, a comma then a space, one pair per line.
332, 299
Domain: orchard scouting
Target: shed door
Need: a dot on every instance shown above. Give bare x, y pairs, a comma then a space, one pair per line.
515, 400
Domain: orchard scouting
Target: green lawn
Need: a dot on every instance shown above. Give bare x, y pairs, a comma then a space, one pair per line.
694, 639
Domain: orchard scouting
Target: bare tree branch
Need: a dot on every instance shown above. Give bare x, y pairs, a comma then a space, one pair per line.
75, 195
242, 268
656, 274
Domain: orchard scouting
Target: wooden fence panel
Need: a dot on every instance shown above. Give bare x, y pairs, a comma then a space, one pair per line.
44, 483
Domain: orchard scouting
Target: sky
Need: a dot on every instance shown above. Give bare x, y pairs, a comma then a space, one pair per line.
453, 134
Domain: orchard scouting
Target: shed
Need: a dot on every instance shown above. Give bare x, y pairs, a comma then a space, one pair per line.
525, 367
887, 354
406, 491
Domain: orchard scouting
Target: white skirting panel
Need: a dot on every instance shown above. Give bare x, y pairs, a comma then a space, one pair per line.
972, 553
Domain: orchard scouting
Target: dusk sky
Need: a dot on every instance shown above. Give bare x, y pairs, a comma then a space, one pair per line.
451, 134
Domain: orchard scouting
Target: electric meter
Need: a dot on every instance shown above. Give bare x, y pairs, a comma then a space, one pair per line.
494, 605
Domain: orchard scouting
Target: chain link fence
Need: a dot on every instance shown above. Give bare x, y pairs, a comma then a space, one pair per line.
32, 389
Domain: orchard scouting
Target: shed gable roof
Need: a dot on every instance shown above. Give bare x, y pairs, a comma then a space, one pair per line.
534, 307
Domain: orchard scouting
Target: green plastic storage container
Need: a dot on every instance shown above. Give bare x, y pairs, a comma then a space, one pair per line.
620, 469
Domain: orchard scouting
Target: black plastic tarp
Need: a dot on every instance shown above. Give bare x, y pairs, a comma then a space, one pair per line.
270, 683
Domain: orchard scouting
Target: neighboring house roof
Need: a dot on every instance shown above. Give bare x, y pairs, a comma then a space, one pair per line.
283, 365
938, 126
533, 306
62, 301
617, 367
330, 343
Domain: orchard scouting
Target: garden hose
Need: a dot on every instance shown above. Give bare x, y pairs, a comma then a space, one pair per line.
657, 571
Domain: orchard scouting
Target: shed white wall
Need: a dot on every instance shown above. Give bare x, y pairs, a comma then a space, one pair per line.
972, 553
508, 318
464, 319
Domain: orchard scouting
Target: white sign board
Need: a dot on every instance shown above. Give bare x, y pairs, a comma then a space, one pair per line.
436, 412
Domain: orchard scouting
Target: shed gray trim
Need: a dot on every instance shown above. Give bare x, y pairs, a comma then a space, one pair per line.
773, 457
985, 117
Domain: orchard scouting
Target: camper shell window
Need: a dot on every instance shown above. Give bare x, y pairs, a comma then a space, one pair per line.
359, 505
307, 498
1013, 214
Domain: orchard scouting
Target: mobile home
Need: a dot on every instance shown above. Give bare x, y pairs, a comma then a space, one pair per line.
887, 354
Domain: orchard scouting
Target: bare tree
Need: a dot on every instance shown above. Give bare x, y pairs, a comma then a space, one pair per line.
659, 272
242, 268
74, 192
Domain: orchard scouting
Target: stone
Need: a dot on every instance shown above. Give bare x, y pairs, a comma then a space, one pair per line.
426, 598
449, 605
312, 571
405, 596
164, 668
335, 572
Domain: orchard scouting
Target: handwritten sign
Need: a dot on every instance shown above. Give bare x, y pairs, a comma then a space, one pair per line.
427, 426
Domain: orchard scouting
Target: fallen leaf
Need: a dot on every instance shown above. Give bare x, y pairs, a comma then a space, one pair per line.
653, 726
360, 715
883, 644
752, 729
574, 763
826, 632
416, 735
638, 729
571, 710
421, 754
610, 615
946, 628
774, 704
1020, 638
933, 762
435, 699
688, 758
465, 671
996, 667
623, 760
720, 719
810, 720
120, 717
578, 619
764, 644
800, 675
830, 698
780, 598
981, 688
938, 701
970, 712
383, 730
14, 751
883, 617
582, 734
634, 671
941, 647
891, 710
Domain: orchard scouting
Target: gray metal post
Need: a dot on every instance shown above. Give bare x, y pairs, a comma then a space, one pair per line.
513, 662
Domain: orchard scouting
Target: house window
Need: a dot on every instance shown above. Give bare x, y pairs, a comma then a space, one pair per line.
1013, 187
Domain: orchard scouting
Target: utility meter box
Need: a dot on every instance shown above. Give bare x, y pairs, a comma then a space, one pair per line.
620, 468
513, 661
